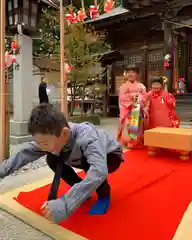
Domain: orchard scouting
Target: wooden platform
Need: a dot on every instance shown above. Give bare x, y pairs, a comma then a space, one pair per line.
179, 139
8, 204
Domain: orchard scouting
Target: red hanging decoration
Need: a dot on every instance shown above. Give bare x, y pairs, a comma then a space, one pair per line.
71, 17
67, 68
108, 5
70, 68
14, 60
93, 11
166, 64
81, 15
14, 45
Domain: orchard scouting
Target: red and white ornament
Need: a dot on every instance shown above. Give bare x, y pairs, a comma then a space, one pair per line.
71, 17
93, 11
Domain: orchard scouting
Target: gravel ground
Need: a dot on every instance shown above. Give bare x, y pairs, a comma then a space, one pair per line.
13, 229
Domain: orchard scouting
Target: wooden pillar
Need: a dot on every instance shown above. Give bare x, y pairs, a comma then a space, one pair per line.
63, 74
113, 78
186, 64
181, 59
105, 92
168, 42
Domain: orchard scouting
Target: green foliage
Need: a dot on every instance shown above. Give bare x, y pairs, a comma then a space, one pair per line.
85, 64
49, 24
49, 42
79, 53
82, 51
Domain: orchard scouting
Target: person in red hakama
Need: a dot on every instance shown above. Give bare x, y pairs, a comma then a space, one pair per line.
161, 106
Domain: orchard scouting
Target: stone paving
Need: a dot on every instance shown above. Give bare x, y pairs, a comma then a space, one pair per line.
10, 227
13, 229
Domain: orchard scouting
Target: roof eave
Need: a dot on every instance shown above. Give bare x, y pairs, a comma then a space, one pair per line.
51, 3
109, 16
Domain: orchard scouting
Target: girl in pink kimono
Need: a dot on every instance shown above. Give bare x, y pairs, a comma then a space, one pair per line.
133, 109
161, 106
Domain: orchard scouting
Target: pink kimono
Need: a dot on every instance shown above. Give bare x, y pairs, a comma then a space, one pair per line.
132, 105
162, 110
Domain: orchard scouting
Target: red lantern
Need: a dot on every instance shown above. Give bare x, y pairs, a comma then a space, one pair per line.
108, 6
93, 11
81, 15
71, 17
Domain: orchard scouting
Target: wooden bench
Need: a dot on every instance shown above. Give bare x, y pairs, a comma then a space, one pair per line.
178, 139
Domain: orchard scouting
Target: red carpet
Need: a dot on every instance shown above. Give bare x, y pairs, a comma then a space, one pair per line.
149, 198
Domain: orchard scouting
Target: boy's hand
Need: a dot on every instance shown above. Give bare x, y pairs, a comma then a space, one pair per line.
46, 211
55, 210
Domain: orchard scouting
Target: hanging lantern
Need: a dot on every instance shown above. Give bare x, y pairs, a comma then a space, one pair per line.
108, 6
81, 15
71, 17
93, 11
181, 85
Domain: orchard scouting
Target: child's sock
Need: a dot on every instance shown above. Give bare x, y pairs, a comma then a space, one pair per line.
100, 207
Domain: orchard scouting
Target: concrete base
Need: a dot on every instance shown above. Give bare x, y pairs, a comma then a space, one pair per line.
19, 132
14, 140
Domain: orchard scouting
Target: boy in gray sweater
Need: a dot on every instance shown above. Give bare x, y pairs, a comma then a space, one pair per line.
68, 145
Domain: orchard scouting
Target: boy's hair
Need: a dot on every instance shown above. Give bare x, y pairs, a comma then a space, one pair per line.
46, 119
157, 79
132, 67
